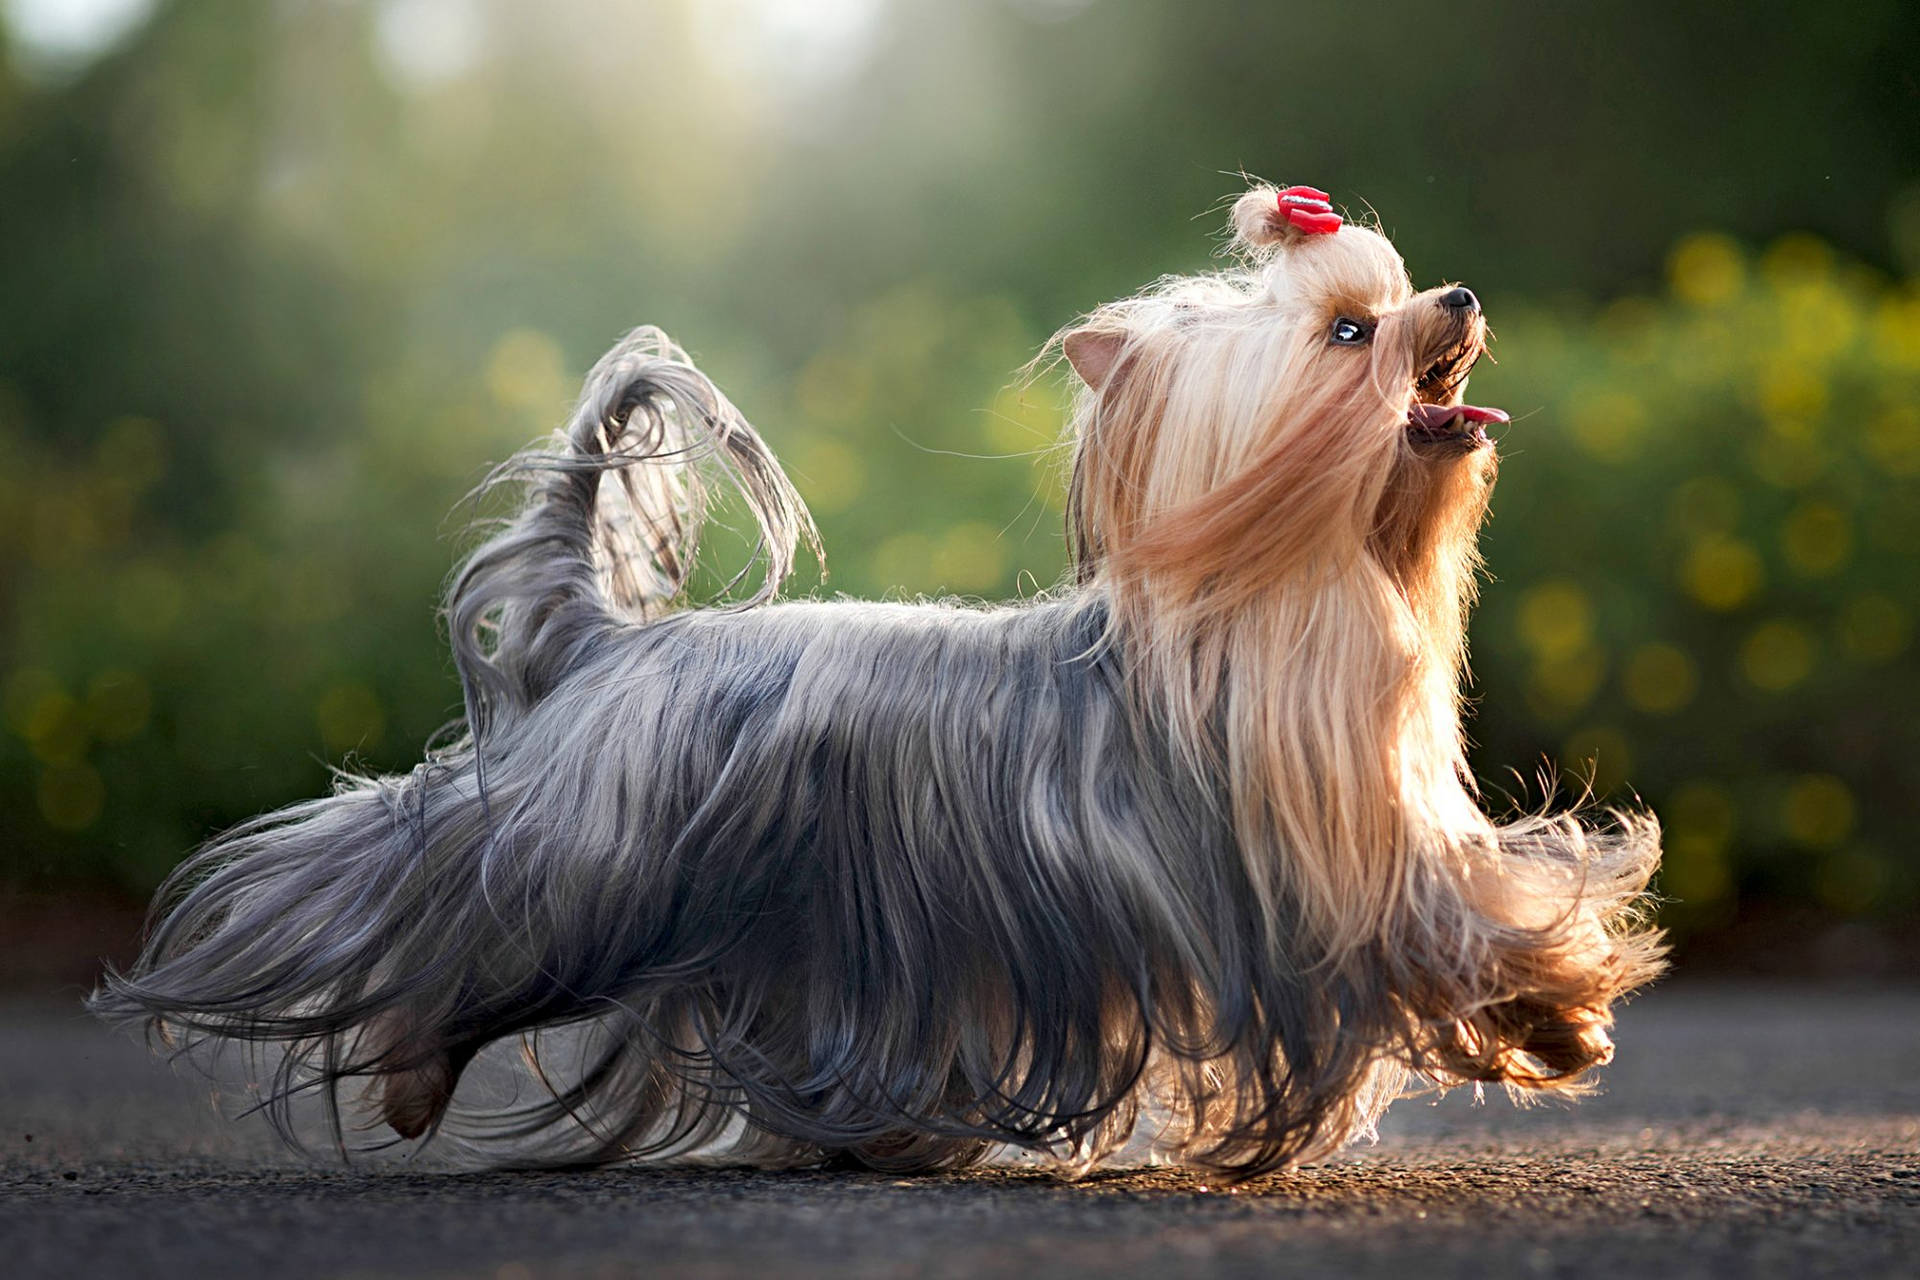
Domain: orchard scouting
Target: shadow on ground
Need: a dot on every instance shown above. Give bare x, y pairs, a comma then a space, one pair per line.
1745, 1130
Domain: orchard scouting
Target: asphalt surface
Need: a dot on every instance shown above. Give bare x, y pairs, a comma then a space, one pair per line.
1744, 1131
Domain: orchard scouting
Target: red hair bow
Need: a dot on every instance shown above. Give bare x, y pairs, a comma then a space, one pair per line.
1307, 209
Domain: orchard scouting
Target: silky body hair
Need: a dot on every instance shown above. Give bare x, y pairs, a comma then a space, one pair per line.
1192, 838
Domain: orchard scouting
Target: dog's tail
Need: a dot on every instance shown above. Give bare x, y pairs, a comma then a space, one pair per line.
361, 935
611, 522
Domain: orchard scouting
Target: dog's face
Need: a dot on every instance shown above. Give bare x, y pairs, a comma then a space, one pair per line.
1262, 423
1351, 305
1403, 358
1279, 484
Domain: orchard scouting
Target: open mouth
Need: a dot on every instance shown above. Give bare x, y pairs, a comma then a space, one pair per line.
1436, 416
1465, 424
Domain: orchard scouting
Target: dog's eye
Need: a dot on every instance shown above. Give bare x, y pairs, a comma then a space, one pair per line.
1351, 333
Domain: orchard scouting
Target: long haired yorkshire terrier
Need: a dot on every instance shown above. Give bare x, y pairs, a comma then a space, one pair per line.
1188, 846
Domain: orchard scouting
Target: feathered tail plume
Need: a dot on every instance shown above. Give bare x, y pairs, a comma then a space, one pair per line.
353, 930
612, 523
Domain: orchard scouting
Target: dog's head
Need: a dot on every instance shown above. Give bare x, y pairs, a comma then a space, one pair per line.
1276, 490
1277, 485
1280, 418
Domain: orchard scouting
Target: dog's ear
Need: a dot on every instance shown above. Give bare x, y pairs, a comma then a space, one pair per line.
1094, 353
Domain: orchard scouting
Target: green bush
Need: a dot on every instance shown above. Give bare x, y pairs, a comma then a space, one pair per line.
1700, 554
1702, 548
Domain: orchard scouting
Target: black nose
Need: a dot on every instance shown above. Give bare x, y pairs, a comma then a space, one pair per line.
1460, 298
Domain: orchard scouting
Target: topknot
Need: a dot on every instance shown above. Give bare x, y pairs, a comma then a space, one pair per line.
1257, 220
1267, 217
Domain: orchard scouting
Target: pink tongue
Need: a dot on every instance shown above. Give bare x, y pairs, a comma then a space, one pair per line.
1438, 415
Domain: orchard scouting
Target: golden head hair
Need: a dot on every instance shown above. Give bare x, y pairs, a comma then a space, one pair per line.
1278, 484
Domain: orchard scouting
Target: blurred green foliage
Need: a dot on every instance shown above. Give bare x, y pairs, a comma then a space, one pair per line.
1703, 546
283, 280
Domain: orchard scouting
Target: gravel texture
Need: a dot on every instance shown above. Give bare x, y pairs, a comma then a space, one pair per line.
1744, 1131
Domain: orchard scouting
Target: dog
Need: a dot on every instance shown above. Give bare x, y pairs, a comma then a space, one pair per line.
1187, 847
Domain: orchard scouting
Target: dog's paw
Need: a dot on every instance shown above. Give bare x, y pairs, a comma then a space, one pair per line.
412, 1101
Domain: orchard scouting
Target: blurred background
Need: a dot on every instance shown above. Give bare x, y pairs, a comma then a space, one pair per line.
281, 279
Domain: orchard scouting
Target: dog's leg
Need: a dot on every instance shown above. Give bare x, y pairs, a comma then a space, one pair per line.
415, 1076
1558, 937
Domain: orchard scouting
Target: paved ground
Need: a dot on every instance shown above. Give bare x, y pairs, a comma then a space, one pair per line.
1746, 1131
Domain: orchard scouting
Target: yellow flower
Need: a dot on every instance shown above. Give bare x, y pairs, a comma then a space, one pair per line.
1706, 269
1896, 332
53, 725
830, 475
1892, 440
1874, 627
1609, 424
903, 562
1791, 395
1778, 655
1818, 810
1816, 538
1564, 683
1722, 573
1796, 259
71, 796
1702, 810
969, 557
1660, 678
1819, 322
1695, 871
1556, 618
1025, 419
25, 690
